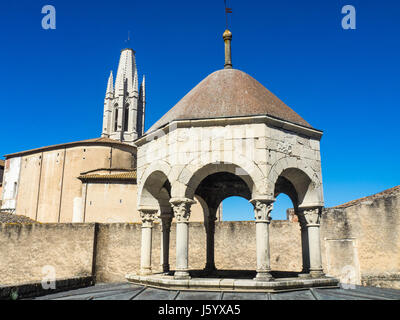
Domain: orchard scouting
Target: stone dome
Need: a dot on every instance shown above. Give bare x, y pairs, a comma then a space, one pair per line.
229, 93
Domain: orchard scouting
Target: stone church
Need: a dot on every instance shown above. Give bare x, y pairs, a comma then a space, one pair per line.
91, 180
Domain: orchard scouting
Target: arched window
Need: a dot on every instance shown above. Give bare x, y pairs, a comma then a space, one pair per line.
126, 117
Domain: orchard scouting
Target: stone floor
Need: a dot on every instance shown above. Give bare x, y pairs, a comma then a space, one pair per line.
129, 291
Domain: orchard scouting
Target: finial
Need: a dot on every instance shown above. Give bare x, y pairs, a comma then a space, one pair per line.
227, 39
228, 55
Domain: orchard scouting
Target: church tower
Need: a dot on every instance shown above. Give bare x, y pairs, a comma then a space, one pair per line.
124, 104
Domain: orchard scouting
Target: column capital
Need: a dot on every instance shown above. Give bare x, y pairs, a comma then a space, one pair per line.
310, 216
148, 215
262, 209
181, 208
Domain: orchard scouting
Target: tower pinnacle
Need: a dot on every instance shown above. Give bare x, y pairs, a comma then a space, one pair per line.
123, 105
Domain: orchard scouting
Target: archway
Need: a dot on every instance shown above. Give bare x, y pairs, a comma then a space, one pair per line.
215, 188
154, 203
302, 190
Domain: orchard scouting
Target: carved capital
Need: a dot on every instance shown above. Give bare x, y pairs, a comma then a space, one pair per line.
310, 216
148, 215
181, 208
262, 210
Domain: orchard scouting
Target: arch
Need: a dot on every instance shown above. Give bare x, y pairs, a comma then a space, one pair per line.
154, 188
190, 177
299, 182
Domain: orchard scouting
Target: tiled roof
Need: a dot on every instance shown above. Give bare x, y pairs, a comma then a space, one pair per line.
100, 141
229, 93
129, 175
385, 193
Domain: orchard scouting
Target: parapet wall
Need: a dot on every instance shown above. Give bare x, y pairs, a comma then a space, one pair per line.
361, 241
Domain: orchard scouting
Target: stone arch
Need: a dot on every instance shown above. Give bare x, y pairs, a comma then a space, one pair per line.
192, 174
298, 181
154, 187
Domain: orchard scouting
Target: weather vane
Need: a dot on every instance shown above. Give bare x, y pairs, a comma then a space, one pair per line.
227, 10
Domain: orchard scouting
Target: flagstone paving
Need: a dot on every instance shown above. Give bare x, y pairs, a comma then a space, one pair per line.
127, 291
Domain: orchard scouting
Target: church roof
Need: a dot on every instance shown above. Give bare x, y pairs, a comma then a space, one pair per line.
99, 141
229, 93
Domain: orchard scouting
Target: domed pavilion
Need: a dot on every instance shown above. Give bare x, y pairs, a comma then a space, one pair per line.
229, 136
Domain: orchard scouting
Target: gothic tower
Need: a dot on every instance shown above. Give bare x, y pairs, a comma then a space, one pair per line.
124, 104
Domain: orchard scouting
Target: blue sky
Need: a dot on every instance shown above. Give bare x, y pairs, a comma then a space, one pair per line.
344, 82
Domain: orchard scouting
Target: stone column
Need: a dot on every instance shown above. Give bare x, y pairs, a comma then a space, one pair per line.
304, 246
181, 209
148, 216
166, 219
210, 232
312, 217
262, 210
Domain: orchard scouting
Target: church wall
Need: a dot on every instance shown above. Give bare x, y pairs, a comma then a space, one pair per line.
83, 159
47, 186
50, 186
111, 202
11, 183
29, 185
80, 159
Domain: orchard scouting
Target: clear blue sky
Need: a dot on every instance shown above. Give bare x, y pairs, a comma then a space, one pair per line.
344, 82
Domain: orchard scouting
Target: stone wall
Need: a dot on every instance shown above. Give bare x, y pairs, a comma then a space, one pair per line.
361, 240
26, 250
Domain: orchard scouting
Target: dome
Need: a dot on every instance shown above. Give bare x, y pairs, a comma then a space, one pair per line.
229, 93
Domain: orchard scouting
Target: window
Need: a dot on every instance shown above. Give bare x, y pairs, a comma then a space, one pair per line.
126, 117
116, 120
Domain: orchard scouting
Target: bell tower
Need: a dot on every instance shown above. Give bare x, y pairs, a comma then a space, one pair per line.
124, 104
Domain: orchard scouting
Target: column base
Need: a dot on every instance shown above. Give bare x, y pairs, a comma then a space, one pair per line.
304, 275
317, 273
145, 271
263, 276
182, 275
